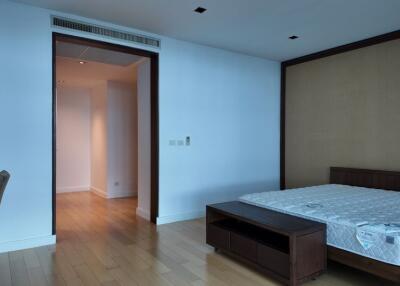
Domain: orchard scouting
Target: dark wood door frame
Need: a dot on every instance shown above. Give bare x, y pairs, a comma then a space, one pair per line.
154, 80
322, 54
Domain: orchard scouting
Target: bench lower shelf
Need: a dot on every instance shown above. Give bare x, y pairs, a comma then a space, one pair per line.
289, 257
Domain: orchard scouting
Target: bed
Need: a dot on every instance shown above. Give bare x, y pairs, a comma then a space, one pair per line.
361, 210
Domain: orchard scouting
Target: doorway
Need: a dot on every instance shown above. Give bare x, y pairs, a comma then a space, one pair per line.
82, 46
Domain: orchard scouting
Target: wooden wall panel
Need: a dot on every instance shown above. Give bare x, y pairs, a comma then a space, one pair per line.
342, 110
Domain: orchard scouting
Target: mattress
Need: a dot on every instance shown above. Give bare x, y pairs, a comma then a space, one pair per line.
360, 220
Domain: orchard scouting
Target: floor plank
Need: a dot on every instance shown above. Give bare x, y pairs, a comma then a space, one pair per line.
5, 272
19, 272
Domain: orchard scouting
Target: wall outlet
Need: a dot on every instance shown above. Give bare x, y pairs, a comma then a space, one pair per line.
116, 184
172, 142
180, 142
187, 141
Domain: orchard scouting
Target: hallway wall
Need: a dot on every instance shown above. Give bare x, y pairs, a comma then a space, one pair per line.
73, 139
144, 139
122, 138
114, 140
99, 139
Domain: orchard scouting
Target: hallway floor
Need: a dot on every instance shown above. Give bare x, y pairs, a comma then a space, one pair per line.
103, 242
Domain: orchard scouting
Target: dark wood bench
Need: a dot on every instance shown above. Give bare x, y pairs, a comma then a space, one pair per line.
287, 248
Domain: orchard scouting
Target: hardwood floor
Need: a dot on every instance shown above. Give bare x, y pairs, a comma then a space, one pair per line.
102, 242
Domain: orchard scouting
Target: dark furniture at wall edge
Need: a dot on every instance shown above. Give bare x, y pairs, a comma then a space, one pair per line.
4, 177
289, 249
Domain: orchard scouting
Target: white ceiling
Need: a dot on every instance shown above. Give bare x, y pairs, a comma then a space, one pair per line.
99, 65
92, 54
254, 27
71, 73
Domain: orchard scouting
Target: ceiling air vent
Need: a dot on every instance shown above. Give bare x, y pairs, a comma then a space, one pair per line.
102, 31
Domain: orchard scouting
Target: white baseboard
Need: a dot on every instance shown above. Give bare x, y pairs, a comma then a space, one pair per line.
180, 217
27, 243
114, 194
73, 189
121, 194
143, 213
99, 192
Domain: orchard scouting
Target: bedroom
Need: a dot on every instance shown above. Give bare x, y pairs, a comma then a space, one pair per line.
236, 116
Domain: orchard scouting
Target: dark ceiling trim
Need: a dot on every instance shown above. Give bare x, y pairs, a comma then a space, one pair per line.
326, 53
345, 48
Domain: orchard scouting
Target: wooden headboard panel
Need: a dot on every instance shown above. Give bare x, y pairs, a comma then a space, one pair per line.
387, 180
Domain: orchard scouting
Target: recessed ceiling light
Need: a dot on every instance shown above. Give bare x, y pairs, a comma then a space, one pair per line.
200, 10
82, 62
294, 37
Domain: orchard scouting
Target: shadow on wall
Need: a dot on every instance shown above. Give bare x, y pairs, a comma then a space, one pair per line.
224, 193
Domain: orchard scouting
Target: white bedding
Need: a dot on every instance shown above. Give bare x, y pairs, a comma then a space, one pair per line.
360, 220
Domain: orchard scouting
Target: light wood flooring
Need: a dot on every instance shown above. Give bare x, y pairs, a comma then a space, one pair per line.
102, 242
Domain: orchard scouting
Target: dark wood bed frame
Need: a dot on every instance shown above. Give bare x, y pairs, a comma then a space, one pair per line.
387, 180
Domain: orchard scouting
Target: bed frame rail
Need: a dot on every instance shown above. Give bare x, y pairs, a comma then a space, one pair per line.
386, 180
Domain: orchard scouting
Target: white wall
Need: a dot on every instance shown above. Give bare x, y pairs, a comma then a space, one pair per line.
25, 116
144, 139
73, 139
114, 140
228, 103
99, 139
122, 140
